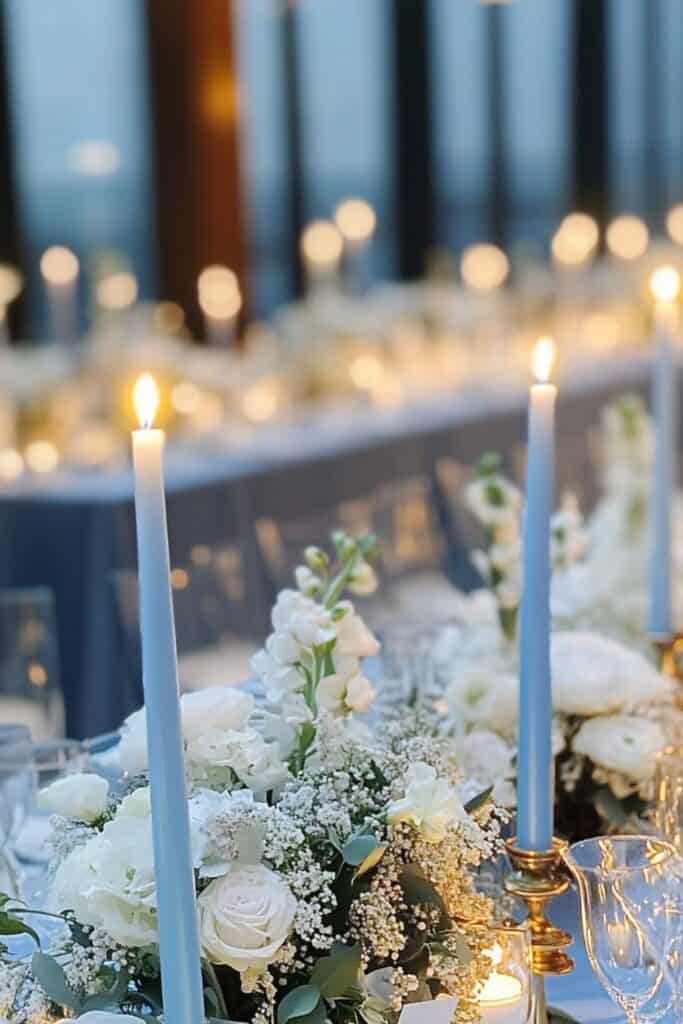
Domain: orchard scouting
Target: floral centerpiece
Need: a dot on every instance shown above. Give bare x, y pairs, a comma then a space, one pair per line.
612, 709
333, 867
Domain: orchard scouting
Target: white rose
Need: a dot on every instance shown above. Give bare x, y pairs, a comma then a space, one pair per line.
137, 804
621, 743
593, 675
82, 797
353, 636
221, 707
430, 803
245, 917
363, 580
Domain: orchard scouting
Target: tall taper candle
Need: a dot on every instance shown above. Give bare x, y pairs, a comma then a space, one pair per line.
534, 761
664, 284
178, 935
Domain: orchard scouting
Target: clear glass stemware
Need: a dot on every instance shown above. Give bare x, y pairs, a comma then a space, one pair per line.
630, 897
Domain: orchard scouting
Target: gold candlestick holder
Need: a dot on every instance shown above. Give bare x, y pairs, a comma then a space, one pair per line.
670, 655
536, 878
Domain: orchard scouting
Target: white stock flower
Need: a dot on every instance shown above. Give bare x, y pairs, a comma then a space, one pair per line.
82, 797
340, 694
430, 803
223, 707
353, 636
306, 580
301, 617
363, 579
495, 501
621, 743
245, 917
593, 675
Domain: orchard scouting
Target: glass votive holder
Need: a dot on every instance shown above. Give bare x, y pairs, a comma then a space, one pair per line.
507, 995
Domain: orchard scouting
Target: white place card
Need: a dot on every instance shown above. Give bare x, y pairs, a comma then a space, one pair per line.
439, 1011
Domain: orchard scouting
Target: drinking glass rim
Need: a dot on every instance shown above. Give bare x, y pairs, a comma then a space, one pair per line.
620, 869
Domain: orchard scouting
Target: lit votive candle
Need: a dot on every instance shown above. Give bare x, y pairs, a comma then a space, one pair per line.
59, 267
501, 1000
220, 301
356, 221
321, 248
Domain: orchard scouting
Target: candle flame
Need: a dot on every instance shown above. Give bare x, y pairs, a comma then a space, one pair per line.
665, 283
542, 359
146, 399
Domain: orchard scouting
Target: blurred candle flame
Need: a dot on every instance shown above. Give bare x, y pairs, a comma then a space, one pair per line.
542, 359
146, 399
665, 283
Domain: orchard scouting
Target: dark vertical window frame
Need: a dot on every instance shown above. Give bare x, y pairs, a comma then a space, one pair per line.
413, 135
195, 116
654, 180
10, 234
589, 109
295, 190
495, 89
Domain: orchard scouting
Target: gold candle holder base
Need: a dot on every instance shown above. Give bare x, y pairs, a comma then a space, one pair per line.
670, 655
536, 878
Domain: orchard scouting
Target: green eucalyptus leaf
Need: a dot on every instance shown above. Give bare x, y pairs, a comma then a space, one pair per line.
52, 979
335, 974
299, 1003
609, 807
556, 1016
10, 925
358, 848
479, 801
418, 889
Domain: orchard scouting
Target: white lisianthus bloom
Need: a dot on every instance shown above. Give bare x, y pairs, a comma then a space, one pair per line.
430, 803
621, 743
245, 917
338, 694
109, 882
593, 675
484, 693
101, 1017
363, 579
245, 752
353, 636
222, 707
487, 760
82, 797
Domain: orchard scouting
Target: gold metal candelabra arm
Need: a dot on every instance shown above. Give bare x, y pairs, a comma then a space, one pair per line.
536, 878
670, 655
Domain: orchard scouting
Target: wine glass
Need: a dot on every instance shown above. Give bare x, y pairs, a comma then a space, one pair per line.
630, 894
30, 690
16, 782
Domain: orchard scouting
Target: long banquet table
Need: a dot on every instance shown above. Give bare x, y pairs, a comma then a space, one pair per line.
72, 530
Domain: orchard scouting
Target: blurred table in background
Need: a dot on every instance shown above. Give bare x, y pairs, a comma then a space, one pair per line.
74, 531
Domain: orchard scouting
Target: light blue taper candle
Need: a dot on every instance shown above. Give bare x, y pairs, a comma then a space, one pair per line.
534, 760
664, 284
178, 934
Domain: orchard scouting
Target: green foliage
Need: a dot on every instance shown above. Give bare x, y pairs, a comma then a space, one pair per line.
418, 889
336, 974
52, 979
300, 1003
358, 848
479, 801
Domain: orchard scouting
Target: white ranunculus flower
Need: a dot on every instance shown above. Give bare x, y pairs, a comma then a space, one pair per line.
621, 743
353, 636
245, 917
363, 580
430, 803
221, 707
82, 797
593, 675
